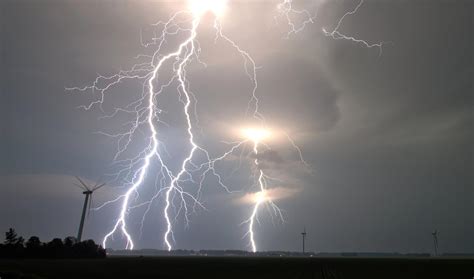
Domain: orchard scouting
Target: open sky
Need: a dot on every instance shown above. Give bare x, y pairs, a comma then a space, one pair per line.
389, 137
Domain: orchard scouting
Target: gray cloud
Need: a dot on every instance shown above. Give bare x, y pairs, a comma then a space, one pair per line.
389, 137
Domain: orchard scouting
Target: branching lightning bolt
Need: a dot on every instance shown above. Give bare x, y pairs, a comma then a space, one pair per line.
287, 11
337, 35
145, 113
261, 197
149, 115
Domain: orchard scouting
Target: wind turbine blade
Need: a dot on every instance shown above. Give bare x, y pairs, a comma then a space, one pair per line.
98, 187
83, 184
98, 182
79, 186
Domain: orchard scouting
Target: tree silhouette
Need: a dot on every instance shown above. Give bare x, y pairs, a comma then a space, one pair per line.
15, 247
70, 241
33, 247
33, 243
54, 248
11, 238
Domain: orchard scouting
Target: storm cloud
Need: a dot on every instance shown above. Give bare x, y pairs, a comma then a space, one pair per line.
388, 137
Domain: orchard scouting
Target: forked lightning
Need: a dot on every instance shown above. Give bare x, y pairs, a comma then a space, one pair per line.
145, 112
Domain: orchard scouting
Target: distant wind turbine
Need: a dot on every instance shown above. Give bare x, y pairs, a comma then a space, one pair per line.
303, 234
435, 241
87, 203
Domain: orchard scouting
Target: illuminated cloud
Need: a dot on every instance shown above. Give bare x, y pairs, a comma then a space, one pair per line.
273, 194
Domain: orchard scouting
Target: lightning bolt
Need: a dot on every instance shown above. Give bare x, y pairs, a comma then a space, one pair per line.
337, 35
260, 197
288, 12
145, 111
145, 114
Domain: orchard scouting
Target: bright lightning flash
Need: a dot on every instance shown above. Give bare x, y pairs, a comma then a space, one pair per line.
256, 135
145, 114
200, 7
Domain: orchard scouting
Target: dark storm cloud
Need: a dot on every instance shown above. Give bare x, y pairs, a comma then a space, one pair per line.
389, 137
408, 140
297, 95
423, 77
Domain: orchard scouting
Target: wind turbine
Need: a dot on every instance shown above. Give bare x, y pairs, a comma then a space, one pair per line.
435, 241
303, 234
87, 203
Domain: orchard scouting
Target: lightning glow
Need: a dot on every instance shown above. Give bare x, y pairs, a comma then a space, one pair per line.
154, 76
256, 135
200, 7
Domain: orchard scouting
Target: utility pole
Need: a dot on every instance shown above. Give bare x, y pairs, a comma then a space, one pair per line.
303, 234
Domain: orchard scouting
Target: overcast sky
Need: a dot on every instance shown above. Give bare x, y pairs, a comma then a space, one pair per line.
389, 137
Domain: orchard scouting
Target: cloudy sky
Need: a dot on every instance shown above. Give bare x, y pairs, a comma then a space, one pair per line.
388, 137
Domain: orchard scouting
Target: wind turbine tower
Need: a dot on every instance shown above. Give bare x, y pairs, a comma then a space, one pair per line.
435, 241
303, 234
87, 203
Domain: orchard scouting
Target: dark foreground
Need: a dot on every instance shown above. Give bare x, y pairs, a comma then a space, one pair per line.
239, 267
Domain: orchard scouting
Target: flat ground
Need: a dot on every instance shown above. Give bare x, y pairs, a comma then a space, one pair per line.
239, 267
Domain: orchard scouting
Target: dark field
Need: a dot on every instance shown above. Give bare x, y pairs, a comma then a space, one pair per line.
239, 267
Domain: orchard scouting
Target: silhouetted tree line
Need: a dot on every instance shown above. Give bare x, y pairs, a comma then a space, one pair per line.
15, 246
